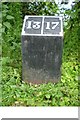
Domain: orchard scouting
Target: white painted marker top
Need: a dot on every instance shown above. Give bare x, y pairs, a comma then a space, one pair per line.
37, 26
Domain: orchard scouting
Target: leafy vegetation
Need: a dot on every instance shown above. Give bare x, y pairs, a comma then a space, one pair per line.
15, 92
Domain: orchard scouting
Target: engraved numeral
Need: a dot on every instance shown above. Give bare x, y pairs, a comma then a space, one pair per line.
33, 24
51, 25
36, 25
29, 24
55, 24
48, 25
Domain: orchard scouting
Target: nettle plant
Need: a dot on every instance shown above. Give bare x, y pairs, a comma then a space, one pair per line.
6, 18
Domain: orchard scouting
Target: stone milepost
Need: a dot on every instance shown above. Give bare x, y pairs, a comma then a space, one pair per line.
42, 43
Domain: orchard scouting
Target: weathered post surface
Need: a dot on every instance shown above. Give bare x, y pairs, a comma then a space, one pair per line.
42, 42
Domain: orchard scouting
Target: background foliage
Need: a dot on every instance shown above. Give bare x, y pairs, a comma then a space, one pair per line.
17, 93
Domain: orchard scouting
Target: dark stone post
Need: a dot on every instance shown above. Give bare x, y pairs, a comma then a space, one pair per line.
42, 43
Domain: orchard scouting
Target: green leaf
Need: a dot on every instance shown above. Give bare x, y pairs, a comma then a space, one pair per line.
5, 6
0, 16
3, 29
0, 25
7, 24
9, 17
47, 96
